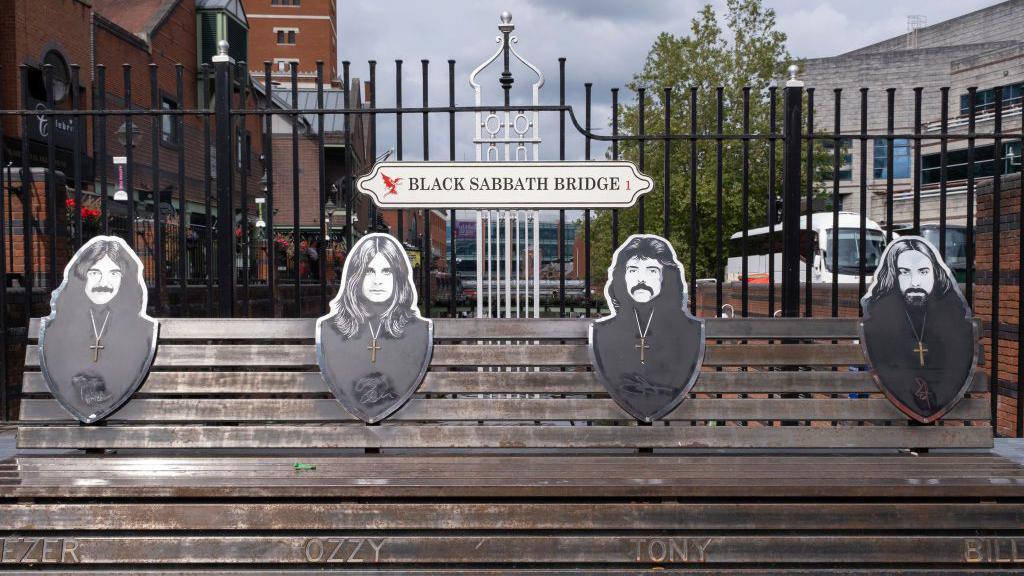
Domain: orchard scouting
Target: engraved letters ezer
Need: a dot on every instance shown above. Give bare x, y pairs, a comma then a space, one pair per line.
39, 551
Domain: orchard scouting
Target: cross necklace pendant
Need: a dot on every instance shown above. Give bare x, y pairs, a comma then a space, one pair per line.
921, 349
374, 347
643, 334
98, 334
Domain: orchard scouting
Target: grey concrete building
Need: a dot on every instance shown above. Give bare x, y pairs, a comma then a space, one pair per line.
983, 49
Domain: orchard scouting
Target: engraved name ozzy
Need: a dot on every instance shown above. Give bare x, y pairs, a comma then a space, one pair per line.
343, 550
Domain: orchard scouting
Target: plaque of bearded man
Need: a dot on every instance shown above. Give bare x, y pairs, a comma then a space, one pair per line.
98, 343
373, 347
649, 351
918, 331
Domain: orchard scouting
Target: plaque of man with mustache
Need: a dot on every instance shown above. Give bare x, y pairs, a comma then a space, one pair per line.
649, 351
98, 343
918, 331
373, 347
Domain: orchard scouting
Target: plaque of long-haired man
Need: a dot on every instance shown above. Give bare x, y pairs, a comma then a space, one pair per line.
649, 351
373, 348
97, 344
918, 331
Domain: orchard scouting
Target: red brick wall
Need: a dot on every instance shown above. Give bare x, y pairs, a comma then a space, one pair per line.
14, 239
1009, 292
315, 40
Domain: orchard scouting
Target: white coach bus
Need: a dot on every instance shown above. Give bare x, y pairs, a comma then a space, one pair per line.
815, 246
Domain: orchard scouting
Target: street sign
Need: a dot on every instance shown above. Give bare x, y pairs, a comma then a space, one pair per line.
505, 184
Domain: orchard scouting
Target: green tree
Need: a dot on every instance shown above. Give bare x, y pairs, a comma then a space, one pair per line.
749, 55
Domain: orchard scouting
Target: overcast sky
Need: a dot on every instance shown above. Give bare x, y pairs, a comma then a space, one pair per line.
605, 42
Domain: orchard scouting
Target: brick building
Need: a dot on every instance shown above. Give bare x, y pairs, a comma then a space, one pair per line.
293, 31
982, 49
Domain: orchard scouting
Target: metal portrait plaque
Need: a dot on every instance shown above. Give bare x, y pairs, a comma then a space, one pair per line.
918, 332
98, 343
373, 347
482, 185
649, 351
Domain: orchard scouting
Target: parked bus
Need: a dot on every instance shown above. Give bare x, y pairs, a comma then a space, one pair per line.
815, 247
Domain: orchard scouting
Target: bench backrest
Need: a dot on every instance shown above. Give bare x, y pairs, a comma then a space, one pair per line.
502, 383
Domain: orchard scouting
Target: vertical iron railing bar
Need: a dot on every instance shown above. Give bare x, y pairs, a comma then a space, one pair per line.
242, 165
373, 135
207, 192
225, 160
792, 150
837, 101
862, 238
77, 158
51, 179
324, 240
588, 90
426, 250
561, 213
5, 172
27, 190
349, 192
693, 201
772, 196
155, 127
719, 120
997, 196
296, 234
641, 95
943, 167
917, 158
453, 271
890, 107
101, 139
972, 94
398, 142
615, 156
1019, 424
808, 228
179, 123
268, 192
667, 172
129, 169
745, 249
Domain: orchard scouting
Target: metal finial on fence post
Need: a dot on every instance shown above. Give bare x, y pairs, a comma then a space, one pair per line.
792, 82
506, 27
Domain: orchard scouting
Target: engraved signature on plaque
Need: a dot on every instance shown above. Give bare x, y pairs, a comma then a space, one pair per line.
994, 550
343, 550
669, 549
39, 550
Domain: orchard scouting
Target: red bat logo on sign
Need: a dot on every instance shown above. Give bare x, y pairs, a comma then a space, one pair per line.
391, 184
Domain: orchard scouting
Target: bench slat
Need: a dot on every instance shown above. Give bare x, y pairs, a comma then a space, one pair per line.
494, 328
710, 382
435, 436
493, 516
562, 409
303, 355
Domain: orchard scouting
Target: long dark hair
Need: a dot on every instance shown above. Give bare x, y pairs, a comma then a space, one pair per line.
887, 275
652, 248
131, 294
351, 313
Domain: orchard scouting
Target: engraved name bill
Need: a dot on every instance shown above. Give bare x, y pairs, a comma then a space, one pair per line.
39, 551
994, 550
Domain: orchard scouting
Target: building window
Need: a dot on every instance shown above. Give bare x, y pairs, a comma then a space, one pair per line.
286, 2
985, 100
900, 158
845, 159
285, 35
169, 133
956, 163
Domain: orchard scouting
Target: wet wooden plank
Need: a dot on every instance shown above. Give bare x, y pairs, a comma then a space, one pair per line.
303, 355
626, 548
495, 329
568, 437
771, 382
504, 516
496, 409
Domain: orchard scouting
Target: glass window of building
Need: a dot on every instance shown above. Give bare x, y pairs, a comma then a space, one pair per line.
900, 158
956, 163
845, 159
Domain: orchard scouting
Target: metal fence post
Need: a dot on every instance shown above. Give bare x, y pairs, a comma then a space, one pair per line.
225, 237
791, 195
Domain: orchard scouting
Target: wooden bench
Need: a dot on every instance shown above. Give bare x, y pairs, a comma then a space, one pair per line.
510, 459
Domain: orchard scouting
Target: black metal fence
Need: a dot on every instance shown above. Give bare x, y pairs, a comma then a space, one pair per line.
185, 258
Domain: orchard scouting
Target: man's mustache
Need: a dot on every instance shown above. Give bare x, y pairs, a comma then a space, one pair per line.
920, 291
641, 286
103, 289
